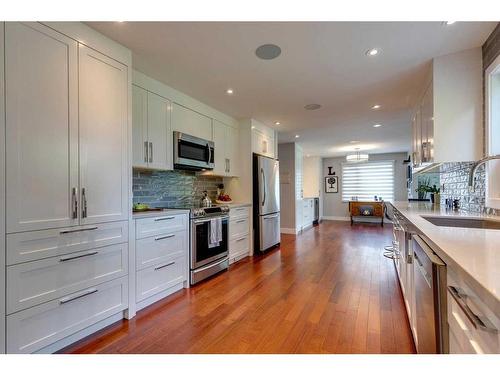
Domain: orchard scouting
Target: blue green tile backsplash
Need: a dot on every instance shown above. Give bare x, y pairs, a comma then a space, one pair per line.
172, 188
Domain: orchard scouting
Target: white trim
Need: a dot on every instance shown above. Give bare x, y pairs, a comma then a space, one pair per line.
337, 218
493, 68
289, 231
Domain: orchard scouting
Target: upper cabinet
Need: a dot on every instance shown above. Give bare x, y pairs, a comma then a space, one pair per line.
41, 70
152, 133
66, 131
187, 121
225, 138
263, 140
104, 169
449, 112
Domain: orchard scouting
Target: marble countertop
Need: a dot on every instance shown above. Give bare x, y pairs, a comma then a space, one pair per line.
472, 253
163, 212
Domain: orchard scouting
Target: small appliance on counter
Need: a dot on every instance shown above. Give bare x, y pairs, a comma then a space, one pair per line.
266, 206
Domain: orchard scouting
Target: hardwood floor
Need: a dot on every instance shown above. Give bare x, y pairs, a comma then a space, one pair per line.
329, 290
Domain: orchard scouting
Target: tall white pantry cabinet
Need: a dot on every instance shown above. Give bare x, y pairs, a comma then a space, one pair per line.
66, 136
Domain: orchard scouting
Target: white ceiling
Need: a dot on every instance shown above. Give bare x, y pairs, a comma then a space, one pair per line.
321, 62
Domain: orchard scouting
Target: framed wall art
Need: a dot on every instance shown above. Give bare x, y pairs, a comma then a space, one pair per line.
331, 184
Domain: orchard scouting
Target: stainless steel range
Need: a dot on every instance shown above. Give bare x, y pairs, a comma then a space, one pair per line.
209, 241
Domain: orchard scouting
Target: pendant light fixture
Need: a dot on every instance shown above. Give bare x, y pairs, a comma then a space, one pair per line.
357, 157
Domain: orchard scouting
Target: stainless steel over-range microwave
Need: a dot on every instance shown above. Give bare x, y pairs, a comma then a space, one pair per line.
192, 153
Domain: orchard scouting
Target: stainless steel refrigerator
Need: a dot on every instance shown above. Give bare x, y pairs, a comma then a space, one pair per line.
266, 206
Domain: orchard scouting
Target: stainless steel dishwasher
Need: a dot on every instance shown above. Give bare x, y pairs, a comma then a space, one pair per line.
430, 299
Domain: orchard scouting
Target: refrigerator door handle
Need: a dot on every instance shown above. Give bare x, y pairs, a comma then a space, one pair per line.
263, 185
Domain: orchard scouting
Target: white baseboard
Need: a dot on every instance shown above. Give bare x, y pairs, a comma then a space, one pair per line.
289, 231
337, 218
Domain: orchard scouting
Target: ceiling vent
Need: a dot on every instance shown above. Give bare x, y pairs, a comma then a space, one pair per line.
312, 107
268, 51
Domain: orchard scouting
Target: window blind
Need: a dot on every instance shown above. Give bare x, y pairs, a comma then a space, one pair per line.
365, 180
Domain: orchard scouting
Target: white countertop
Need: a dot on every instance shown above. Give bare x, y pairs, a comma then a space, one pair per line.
237, 204
165, 211
472, 253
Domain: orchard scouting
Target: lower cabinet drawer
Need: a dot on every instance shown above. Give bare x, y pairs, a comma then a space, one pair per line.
155, 250
239, 245
158, 278
160, 225
35, 328
32, 283
29, 246
238, 227
239, 212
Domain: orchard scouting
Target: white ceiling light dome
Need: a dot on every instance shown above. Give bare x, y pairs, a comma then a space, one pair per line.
357, 157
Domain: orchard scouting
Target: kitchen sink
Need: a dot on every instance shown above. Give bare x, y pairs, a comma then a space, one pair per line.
463, 222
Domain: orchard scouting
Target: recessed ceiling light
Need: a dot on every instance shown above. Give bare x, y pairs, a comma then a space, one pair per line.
372, 52
268, 51
312, 107
377, 126
354, 142
447, 23
376, 106
277, 123
229, 91
297, 136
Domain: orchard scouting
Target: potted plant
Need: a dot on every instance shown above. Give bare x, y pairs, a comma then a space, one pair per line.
435, 195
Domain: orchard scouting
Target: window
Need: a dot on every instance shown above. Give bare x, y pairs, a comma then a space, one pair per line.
365, 180
492, 112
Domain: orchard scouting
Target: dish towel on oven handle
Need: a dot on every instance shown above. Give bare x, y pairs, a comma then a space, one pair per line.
215, 232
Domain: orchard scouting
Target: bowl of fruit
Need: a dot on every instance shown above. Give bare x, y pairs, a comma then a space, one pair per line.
223, 199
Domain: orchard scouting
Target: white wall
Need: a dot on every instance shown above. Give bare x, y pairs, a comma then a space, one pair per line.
334, 208
312, 167
286, 156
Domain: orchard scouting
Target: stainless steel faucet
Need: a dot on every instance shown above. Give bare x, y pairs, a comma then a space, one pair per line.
474, 168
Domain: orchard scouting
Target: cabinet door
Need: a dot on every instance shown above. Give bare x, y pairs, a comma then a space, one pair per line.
103, 137
41, 127
139, 127
427, 121
232, 140
190, 122
220, 157
159, 132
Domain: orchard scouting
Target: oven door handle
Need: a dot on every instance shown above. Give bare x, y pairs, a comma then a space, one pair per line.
201, 221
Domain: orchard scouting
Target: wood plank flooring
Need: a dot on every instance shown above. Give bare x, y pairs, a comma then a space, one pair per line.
329, 290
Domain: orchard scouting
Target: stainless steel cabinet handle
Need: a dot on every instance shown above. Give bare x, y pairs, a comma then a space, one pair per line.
84, 204
241, 239
163, 266
77, 230
71, 257
146, 152
76, 296
164, 237
241, 221
74, 201
479, 322
150, 152
165, 218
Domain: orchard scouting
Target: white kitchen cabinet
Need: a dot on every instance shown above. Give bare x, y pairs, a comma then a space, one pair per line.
152, 134
41, 70
239, 233
307, 213
226, 145
263, 144
103, 114
450, 111
190, 122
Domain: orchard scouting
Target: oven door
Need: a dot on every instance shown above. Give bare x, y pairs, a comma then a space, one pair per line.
201, 252
192, 152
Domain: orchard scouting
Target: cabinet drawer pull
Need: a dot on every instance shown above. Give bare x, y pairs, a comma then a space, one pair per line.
241, 221
163, 266
164, 237
77, 230
165, 218
241, 239
73, 297
71, 257
479, 322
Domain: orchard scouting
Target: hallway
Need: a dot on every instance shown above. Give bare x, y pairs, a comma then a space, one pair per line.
329, 290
